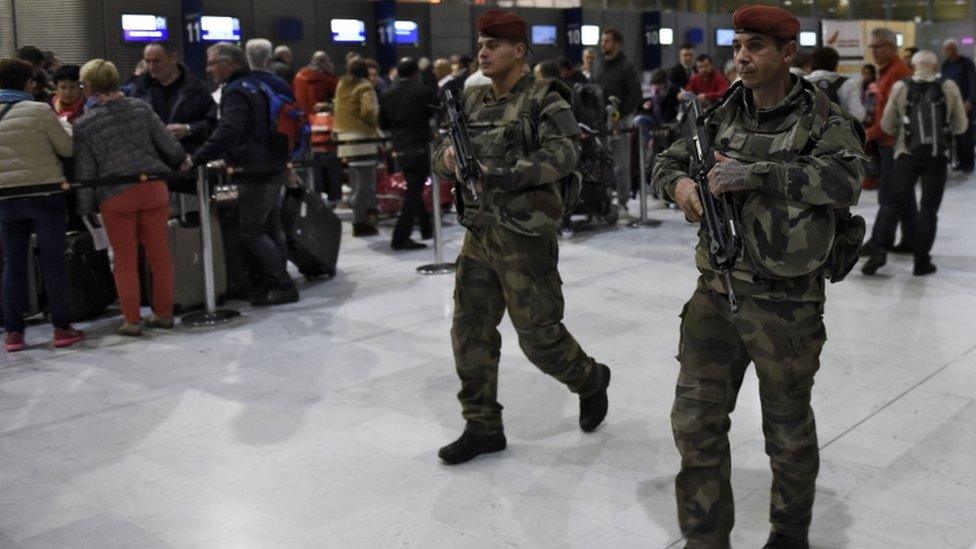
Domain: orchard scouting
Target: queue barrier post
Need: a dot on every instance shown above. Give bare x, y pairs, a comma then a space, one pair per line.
211, 316
438, 266
643, 221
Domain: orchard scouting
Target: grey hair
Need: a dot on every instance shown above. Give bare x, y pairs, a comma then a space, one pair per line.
228, 52
258, 52
885, 34
951, 42
925, 62
281, 49
589, 50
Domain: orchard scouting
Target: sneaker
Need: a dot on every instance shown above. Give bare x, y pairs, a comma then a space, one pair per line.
64, 337
161, 322
470, 446
14, 341
593, 408
277, 296
779, 540
408, 244
129, 330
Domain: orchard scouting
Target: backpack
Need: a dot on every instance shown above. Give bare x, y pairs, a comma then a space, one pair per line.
287, 119
832, 89
925, 123
591, 109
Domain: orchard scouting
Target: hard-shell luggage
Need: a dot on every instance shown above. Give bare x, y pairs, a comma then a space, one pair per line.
186, 249
313, 232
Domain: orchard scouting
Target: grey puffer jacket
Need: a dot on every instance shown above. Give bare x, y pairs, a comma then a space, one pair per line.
120, 137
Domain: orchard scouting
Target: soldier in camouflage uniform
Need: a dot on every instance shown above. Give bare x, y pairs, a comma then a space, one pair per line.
525, 137
795, 163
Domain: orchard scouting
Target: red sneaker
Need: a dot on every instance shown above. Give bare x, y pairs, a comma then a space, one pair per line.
64, 337
14, 342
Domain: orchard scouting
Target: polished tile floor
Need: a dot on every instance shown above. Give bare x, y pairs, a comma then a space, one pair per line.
316, 424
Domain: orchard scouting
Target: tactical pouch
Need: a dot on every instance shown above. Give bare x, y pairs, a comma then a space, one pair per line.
847, 243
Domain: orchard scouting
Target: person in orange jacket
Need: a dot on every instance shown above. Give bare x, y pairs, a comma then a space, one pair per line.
892, 68
315, 83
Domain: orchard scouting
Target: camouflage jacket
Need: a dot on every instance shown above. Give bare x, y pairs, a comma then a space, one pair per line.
528, 140
802, 168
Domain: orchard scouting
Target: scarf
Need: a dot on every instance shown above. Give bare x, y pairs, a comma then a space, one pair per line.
14, 96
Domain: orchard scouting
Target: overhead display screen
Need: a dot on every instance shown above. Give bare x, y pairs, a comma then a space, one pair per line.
808, 39
216, 28
590, 35
724, 37
543, 35
345, 31
144, 28
406, 33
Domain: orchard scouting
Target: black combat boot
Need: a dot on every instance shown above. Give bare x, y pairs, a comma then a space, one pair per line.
593, 409
779, 540
470, 446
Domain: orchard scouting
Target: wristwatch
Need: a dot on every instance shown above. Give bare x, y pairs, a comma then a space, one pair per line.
189, 129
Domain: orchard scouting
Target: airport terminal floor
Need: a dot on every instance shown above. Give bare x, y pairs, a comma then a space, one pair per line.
317, 424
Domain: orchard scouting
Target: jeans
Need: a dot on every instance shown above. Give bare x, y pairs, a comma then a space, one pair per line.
19, 217
621, 144
139, 216
328, 175
896, 206
261, 232
416, 169
364, 189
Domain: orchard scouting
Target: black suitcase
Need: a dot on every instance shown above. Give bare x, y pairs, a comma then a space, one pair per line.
313, 232
91, 285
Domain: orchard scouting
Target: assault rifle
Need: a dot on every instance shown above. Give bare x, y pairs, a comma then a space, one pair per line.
720, 219
468, 165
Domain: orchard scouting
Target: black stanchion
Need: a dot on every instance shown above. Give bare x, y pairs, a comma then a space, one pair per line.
438, 266
643, 222
211, 316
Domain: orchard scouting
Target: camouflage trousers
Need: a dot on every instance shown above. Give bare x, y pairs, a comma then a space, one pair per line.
501, 270
783, 339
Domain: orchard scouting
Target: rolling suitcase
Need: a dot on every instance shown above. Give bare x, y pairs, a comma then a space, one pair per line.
90, 280
313, 232
186, 249
91, 285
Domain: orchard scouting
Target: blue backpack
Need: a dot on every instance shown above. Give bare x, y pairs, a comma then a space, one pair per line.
286, 118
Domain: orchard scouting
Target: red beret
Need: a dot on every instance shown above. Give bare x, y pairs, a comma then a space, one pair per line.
502, 24
771, 20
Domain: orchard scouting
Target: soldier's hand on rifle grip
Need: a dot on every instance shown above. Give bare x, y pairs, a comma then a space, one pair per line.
450, 159
686, 197
727, 176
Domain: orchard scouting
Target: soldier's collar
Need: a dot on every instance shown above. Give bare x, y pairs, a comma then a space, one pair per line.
523, 83
786, 104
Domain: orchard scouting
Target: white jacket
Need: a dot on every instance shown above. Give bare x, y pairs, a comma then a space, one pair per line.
31, 139
849, 92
